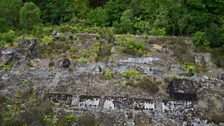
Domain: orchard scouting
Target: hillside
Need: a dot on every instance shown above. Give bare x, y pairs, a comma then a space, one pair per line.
106, 79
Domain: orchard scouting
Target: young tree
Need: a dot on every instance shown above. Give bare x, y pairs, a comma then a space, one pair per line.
29, 16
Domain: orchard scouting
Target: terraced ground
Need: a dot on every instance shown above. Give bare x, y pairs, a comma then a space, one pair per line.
101, 79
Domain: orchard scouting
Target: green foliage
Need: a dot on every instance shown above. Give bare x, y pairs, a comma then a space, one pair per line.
174, 76
73, 48
108, 74
82, 60
57, 11
142, 26
134, 47
29, 16
81, 8
125, 25
97, 17
131, 73
4, 26
48, 40
7, 37
189, 69
200, 40
9, 11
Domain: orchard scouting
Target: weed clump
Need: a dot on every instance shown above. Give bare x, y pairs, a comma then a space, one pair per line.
131, 73
108, 74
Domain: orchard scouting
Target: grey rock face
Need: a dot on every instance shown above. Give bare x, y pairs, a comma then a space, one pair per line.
65, 63
7, 56
182, 89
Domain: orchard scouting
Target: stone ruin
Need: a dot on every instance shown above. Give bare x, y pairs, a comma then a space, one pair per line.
150, 107
182, 89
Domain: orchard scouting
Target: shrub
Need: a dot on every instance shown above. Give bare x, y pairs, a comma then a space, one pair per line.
142, 26
108, 74
48, 40
97, 17
131, 74
125, 25
200, 40
189, 69
4, 26
134, 47
8, 37
29, 16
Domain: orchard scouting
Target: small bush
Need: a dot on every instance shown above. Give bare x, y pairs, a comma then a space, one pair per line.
48, 40
8, 37
134, 47
108, 74
131, 74
97, 17
200, 40
189, 69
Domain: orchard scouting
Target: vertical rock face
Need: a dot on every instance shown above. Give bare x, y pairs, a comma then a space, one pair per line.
182, 89
7, 56
28, 47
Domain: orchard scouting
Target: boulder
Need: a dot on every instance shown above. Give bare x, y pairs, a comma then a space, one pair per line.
182, 89
7, 56
65, 63
28, 47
